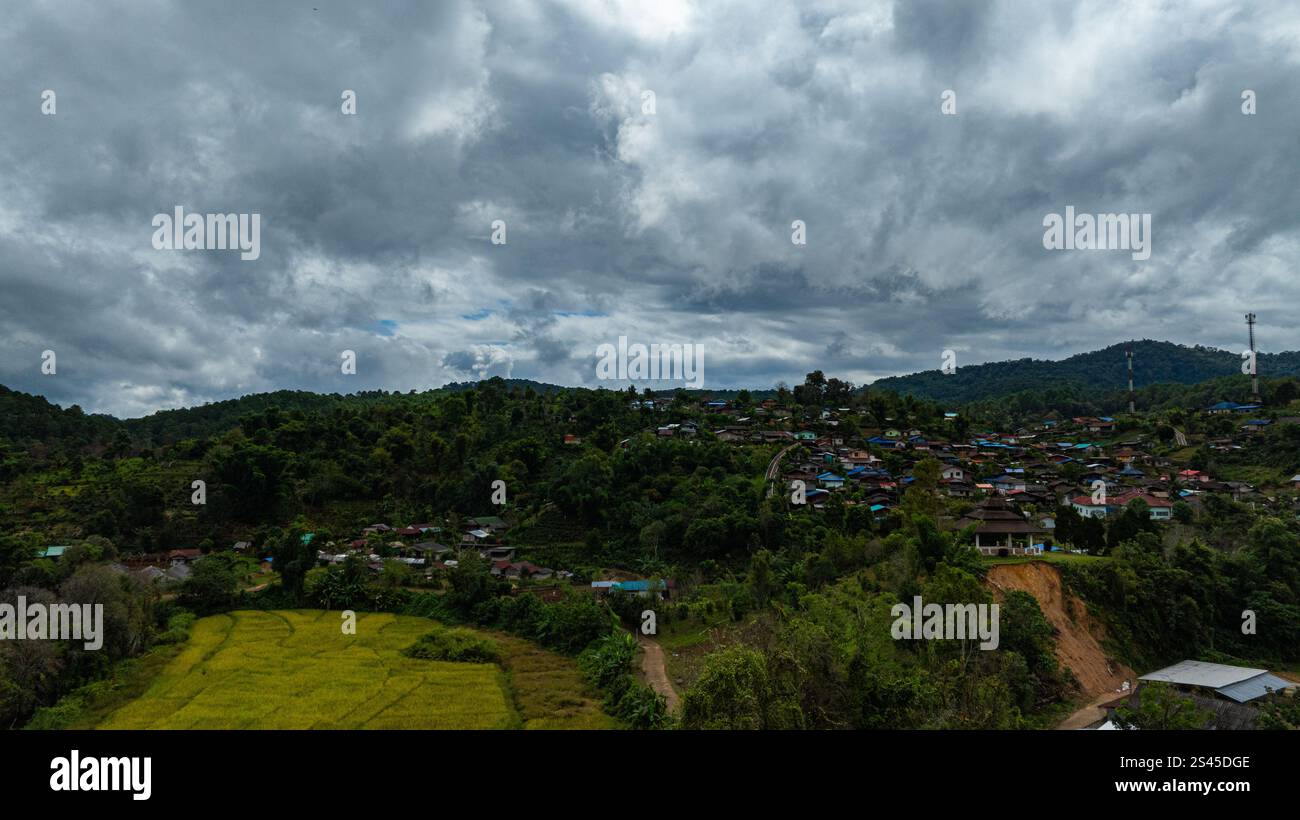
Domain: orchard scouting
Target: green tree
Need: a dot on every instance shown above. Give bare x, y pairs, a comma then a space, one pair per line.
735, 691
213, 584
1161, 707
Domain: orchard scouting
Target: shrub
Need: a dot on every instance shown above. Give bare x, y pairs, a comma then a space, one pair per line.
454, 644
178, 628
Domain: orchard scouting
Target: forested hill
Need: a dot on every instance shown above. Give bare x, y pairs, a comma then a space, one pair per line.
29, 419
1100, 370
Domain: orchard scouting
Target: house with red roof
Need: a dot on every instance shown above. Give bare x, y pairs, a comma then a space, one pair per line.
1161, 509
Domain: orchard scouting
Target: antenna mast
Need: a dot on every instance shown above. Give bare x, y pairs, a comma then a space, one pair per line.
1129, 354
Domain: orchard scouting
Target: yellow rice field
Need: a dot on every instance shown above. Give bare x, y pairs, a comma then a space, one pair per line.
295, 669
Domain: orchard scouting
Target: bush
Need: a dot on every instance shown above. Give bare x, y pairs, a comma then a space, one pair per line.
454, 644
607, 664
178, 628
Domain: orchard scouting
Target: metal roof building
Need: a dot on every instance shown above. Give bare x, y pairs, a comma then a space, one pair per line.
1238, 683
1256, 687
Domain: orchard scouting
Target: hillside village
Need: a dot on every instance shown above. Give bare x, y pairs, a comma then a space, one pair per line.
1015, 479
1005, 485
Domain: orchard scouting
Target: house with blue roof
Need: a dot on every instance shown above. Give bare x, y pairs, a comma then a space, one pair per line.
1230, 407
817, 496
830, 480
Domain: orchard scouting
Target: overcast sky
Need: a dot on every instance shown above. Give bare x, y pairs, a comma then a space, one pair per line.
924, 230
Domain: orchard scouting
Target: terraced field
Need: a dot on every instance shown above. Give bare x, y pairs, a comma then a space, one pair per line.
295, 669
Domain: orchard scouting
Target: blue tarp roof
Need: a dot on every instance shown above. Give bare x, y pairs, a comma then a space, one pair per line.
640, 586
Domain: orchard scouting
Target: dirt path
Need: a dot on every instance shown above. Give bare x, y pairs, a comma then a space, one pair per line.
656, 674
1089, 714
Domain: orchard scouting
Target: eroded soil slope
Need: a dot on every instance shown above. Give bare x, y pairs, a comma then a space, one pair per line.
1078, 634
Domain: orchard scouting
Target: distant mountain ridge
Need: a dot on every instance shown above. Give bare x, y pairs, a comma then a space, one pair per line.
1100, 370
30, 418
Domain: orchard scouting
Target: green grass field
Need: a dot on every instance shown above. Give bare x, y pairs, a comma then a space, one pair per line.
296, 670
1048, 557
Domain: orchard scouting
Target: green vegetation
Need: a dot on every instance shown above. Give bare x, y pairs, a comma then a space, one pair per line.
780, 615
1161, 606
454, 644
1161, 707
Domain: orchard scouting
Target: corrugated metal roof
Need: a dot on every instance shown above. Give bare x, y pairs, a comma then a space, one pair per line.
1256, 687
1200, 673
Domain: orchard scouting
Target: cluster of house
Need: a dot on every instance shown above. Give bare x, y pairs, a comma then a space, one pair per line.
1250, 426
421, 546
1018, 479
155, 568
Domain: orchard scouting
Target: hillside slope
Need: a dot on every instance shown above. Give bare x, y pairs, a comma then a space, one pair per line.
1078, 635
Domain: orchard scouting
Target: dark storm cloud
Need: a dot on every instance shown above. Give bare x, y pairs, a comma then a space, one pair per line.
924, 230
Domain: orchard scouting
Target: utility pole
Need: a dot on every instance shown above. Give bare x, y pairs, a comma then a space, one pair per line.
1254, 359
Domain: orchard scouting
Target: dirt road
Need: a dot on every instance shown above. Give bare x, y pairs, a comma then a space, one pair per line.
656, 673
774, 468
1089, 714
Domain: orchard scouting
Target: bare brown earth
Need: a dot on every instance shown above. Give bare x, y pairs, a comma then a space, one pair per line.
1078, 635
656, 674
